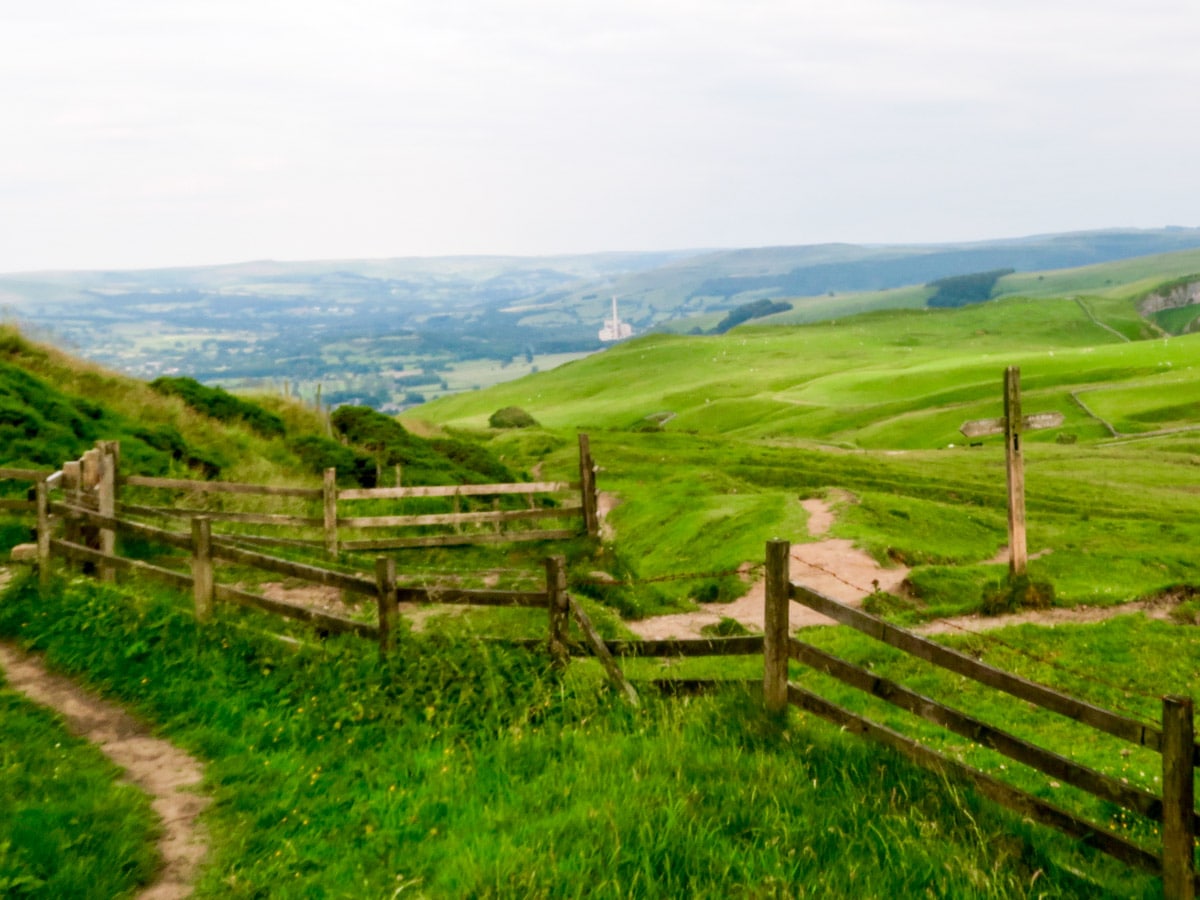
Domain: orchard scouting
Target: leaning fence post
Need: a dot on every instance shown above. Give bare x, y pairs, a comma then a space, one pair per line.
202, 567
559, 606
329, 495
385, 598
775, 626
587, 488
1178, 799
41, 495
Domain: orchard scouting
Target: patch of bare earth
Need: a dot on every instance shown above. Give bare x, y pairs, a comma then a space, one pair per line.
833, 567
1157, 608
159, 768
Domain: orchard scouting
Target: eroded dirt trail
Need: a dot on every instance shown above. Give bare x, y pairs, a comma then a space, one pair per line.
159, 768
833, 567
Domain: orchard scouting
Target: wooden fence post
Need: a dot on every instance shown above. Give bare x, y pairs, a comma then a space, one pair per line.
329, 495
70, 481
1178, 799
202, 567
1015, 459
106, 504
89, 485
775, 626
556, 591
385, 597
587, 487
41, 494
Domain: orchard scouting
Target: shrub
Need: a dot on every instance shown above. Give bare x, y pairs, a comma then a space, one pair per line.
218, 403
726, 627
512, 417
1017, 593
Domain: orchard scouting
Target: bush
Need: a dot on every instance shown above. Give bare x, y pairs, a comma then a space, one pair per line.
1017, 593
442, 461
512, 417
320, 453
726, 627
219, 404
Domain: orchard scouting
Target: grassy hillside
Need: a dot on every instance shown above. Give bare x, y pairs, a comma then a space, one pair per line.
754, 420
900, 379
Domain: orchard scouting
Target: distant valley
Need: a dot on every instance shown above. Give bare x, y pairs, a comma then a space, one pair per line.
398, 332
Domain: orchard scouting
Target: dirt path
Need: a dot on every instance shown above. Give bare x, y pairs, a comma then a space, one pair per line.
834, 567
160, 769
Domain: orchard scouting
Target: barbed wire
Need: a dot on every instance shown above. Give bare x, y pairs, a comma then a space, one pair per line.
657, 579
835, 576
1054, 664
994, 639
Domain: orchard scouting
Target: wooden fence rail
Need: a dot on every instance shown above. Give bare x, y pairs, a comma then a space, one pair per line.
1175, 740
333, 519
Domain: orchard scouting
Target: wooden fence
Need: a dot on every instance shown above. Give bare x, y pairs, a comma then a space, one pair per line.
97, 478
1174, 740
91, 517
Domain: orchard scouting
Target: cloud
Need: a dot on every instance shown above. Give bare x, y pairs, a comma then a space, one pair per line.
147, 133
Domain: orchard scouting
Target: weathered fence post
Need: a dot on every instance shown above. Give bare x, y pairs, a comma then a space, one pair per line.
106, 504
71, 480
202, 567
41, 495
385, 597
587, 487
1018, 555
329, 496
775, 626
559, 606
1178, 799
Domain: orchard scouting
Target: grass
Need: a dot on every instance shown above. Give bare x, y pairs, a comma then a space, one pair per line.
461, 769
68, 826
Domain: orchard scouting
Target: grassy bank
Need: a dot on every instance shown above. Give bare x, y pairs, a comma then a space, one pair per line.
68, 826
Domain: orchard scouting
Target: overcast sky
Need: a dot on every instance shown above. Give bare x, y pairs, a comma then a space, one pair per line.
138, 133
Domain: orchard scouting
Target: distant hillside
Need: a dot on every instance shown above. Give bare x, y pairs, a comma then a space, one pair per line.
54, 407
393, 333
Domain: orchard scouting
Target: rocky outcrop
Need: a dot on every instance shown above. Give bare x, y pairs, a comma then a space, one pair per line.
1174, 296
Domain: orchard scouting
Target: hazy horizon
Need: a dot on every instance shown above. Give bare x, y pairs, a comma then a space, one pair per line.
148, 136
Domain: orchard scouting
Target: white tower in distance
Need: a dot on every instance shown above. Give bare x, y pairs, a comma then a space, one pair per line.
614, 329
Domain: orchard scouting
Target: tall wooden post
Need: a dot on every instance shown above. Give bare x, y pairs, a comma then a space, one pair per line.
385, 597
1018, 554
41, 495
559, 606
329, 496
202, 567
775, 626
587, 487
1178, 789
106, 500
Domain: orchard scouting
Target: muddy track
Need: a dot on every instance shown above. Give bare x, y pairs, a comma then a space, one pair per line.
159, 768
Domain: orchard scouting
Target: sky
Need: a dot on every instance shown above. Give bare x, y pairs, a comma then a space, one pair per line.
142, 133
